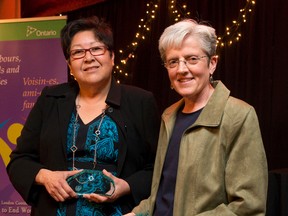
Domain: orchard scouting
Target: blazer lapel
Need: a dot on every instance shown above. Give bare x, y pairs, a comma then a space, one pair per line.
66, 105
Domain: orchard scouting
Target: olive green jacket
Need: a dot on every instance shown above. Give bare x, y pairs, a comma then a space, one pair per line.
222, 166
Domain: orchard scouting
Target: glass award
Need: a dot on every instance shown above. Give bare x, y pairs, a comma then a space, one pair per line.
91, 181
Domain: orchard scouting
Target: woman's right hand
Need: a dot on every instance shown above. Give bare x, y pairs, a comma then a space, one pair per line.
56, 184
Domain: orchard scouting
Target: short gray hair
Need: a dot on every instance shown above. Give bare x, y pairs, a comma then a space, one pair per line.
173, 36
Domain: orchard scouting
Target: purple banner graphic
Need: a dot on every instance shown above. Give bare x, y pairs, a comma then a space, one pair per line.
26, 66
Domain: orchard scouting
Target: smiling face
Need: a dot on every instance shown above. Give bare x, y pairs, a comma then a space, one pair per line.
90, 70
191, 81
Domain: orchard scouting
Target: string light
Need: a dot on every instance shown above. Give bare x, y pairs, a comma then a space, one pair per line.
144, 29
179, 11
232, 33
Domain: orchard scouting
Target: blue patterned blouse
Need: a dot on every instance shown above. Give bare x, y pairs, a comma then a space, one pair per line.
107, 156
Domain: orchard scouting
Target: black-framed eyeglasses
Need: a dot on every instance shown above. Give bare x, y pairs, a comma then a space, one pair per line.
81, 53
191, 60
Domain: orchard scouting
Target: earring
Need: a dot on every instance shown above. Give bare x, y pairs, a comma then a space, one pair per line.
171, 86
211, 80
71, 74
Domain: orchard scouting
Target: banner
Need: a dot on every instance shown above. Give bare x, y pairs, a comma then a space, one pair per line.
30, 58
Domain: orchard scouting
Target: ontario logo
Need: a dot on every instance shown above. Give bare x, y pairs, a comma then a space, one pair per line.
39, 33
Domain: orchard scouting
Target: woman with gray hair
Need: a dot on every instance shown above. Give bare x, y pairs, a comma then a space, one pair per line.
210, 158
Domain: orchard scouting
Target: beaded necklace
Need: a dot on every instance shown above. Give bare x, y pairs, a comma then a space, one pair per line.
97, 137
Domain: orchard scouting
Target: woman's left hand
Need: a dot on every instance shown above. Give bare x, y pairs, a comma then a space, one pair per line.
121, 188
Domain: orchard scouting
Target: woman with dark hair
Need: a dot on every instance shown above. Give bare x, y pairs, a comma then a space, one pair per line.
88, 146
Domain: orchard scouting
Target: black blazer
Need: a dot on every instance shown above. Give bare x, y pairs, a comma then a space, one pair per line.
42, 143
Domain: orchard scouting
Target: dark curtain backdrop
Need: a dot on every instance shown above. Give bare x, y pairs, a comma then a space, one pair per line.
254, 69
33, 8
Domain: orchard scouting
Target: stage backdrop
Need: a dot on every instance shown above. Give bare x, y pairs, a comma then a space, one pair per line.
30, 58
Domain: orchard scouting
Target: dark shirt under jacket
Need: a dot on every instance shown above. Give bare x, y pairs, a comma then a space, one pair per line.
165, 196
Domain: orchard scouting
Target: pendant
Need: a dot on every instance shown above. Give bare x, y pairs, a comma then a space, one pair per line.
90, 178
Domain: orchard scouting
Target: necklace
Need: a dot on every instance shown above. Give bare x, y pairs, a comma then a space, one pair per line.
97, 137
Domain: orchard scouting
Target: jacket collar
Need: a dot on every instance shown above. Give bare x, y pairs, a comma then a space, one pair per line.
114, 94
211, 114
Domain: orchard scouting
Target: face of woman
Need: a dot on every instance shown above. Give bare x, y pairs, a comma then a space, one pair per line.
190, 79
90, 69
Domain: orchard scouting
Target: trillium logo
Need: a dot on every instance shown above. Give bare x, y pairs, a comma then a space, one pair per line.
39, 33
30, 30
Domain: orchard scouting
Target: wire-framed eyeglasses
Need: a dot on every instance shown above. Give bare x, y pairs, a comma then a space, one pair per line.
81, 53
191, 60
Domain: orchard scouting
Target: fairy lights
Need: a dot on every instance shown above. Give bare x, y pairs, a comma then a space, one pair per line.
232, 33
178, 11
143, 31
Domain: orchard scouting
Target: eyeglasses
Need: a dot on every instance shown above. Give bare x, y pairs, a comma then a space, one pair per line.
81, 53
191, 60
